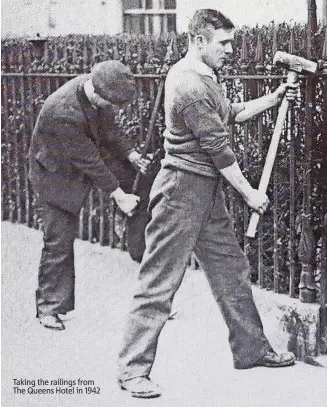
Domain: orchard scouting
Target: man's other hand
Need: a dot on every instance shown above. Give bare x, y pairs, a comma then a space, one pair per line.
126, 202
290, 90
139, 163
257, 200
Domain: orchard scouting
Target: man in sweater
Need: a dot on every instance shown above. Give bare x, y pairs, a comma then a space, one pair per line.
76, 144
189, 213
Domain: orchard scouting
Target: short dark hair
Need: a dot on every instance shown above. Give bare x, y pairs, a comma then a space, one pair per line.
206, 18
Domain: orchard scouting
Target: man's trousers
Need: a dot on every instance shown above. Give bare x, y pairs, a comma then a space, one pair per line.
56, 281
189, 214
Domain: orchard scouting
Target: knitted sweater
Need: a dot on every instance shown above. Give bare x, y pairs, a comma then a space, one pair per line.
197, 115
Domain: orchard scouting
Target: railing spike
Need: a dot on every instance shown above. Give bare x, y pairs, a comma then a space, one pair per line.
291, 45
128, 53
244, 49
85, 56
259, 54
94, 48
172, 52
140, 57
150, 53
274, 46
115, 54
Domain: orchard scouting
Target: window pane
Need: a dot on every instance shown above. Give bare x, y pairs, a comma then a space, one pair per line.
129, 4
171, 23
170, 4
136, 25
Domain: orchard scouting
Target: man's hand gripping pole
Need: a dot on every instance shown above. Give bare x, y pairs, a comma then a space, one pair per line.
295, 65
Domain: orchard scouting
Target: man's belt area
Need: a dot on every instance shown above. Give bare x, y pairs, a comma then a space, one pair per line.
198, 163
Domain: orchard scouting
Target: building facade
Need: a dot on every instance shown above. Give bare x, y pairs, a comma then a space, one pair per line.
43, 18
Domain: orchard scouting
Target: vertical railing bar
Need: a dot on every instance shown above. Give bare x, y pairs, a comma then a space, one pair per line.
275, 229
6, 136
323, 282
229, 189
46, 61
81, 224
101, 218
33, 221
22, 168
55, 57
246, 172
307, 244
48, 86
140, 95
292, 204
152, 99
152, 92
275, 215
16, 152
260, 226
94, 49
112, 212
90, 218
25, 152
260, 69
244, 70
38, 94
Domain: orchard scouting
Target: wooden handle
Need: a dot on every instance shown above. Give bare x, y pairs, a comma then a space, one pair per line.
252, 227
271, 155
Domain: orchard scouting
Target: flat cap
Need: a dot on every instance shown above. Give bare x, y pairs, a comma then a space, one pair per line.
113, 81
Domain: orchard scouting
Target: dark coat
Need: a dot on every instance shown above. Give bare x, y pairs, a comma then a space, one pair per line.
70, 144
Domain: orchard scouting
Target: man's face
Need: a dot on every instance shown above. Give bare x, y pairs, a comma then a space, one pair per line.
217, 50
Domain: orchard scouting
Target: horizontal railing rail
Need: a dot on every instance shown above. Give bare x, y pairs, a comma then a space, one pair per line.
273, 255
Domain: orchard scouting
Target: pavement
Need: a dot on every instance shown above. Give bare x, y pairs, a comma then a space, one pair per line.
193, 364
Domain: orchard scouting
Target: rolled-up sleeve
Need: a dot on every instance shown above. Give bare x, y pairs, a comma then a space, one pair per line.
206, 125
233, 110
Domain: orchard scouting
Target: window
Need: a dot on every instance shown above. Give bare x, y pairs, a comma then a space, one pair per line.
149, 17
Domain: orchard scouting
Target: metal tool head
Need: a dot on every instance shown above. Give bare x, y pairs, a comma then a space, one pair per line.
294, 62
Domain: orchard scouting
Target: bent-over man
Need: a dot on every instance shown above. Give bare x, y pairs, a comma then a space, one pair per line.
76, 144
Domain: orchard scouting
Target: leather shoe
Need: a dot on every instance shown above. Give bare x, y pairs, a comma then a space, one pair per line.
141, 387
52, 322
273, 359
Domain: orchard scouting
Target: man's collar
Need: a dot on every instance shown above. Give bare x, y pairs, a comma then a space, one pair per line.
200, 67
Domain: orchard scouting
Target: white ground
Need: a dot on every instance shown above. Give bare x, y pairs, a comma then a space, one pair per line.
193, 365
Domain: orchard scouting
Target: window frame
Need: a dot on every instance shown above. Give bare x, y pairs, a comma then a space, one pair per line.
150, 21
